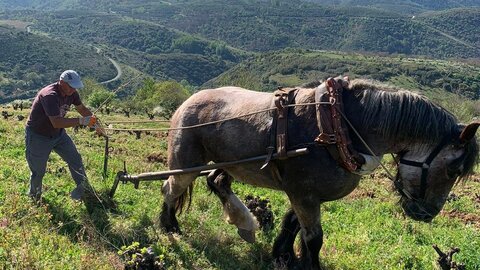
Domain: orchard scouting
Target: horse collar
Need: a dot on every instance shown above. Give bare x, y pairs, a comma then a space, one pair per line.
334, 133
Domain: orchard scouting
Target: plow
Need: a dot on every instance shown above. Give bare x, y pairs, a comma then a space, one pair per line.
124, 177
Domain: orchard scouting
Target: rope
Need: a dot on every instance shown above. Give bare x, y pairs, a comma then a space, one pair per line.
136, 121
114, 92
366, 146
390, 176
219, 121
137, 130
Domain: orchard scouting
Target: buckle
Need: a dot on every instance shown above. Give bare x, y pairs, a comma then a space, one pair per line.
325, 138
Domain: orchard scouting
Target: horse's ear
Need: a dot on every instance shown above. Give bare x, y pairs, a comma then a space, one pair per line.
469, 132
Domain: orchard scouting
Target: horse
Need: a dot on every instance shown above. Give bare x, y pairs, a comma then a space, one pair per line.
433, 148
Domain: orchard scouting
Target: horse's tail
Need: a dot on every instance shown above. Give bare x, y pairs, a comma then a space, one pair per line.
187, 195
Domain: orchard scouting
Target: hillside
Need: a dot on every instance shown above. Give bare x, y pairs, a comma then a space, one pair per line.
403, 6
399, 6
196, 41
461, 23
153, 49
264, 27
365, 230
294, 67
29, 61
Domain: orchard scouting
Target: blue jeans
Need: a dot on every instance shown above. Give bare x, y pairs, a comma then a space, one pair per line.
38, 149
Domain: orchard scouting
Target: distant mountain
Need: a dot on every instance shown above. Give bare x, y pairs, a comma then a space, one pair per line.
411, 7
151, 48
28, 62
197, 40
266, 27
291, 68
254, 25
462, 23
398, 6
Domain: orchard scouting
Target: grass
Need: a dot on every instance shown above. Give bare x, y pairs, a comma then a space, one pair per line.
365, 230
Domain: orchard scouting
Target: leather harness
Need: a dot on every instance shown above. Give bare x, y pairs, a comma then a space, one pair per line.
334, 133
333, 130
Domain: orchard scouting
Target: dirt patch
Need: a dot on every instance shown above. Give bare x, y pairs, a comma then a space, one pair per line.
4, 223
17, 24
157, 158
358, 194
160, 135
260, 208
466, 218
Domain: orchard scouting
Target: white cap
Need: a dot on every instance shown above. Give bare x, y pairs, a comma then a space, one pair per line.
72, 78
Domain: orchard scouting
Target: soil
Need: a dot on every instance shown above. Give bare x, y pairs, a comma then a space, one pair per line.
157, 157
466, 218
260, 208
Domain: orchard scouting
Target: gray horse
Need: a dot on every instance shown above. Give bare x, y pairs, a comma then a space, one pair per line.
434, 152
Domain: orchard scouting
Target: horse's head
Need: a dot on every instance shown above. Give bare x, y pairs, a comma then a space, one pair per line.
426, 174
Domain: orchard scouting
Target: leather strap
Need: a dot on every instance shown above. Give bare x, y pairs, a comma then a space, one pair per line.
282, 99
333, 130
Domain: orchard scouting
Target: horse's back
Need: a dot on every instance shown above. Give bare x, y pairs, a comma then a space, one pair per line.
241, 117
219, 103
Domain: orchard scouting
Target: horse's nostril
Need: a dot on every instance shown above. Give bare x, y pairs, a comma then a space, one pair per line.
418, 212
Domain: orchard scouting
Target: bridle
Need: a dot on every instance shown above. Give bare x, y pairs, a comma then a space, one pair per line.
425, 166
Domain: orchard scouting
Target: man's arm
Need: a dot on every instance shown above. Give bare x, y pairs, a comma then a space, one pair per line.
62, 122
82, 110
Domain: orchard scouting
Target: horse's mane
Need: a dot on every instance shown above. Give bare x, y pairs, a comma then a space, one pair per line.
400, 114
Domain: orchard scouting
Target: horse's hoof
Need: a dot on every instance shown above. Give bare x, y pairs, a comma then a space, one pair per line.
247, 235
169, 225
172, 229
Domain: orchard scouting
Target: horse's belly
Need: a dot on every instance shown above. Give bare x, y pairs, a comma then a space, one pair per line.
251, 174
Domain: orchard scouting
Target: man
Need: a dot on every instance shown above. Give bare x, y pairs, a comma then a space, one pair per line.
45, 131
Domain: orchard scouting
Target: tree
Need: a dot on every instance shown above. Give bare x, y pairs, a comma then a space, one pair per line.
164, 97
170, 96
94, 94
100, 96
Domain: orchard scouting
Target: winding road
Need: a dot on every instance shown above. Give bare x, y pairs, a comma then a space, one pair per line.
119, 71
115, 64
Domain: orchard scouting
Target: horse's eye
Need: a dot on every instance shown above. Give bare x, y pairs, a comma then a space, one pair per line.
454, 169
453, 173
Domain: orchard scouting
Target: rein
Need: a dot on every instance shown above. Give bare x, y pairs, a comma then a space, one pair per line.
225, 119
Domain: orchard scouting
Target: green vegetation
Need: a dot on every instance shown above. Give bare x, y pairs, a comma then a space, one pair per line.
294, 67
28, 62
206, 43
261, 26
196, 41
461, 23
365, 230
164, 97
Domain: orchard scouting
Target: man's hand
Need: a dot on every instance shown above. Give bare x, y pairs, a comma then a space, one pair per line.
89, 121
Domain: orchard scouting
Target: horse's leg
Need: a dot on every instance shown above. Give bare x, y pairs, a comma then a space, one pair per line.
174, 190
283, 253
184, 151
219, 182
308, 214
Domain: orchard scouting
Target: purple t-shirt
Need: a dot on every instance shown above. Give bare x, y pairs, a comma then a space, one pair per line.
49, 102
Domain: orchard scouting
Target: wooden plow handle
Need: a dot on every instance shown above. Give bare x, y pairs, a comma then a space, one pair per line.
124, 177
